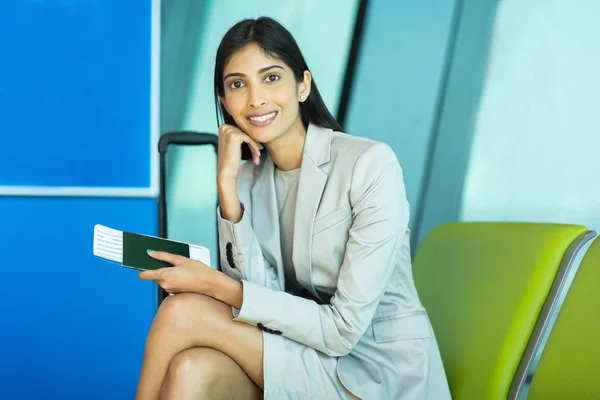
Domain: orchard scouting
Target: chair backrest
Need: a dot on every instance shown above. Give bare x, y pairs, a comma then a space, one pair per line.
570, 363
484, 285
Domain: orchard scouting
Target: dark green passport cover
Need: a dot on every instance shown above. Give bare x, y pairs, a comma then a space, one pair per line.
135, 255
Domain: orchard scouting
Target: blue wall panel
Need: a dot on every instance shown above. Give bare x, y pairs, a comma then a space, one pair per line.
75, 93
72, 326
398, 78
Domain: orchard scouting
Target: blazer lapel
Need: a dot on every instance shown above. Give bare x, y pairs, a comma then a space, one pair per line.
265, 216
310, 189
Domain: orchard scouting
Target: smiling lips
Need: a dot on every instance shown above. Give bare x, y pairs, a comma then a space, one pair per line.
262, 119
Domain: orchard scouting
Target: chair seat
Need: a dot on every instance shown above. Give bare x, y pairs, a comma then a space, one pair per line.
483, 285
570, 363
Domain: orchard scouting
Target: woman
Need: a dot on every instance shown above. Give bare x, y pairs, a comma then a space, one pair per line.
316, 298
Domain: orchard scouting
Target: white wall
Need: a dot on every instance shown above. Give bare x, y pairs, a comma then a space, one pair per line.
537, 139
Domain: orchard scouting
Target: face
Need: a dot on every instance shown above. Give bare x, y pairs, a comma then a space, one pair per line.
262, 94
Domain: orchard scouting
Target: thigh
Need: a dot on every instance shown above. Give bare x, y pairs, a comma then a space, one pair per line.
208, 322
204, 373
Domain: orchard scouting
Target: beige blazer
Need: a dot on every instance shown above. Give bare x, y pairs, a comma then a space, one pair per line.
351, 253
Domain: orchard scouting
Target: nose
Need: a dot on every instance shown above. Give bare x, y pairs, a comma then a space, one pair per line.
256, 98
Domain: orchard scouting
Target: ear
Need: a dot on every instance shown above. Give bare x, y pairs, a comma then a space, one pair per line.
304, 87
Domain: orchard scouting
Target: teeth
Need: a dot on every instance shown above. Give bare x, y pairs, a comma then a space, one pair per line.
262, 118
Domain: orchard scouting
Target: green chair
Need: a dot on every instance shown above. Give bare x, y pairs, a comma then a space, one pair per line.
484, 286
569, 367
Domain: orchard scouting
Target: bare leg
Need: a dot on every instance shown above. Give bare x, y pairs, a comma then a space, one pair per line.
203, 373
190, 320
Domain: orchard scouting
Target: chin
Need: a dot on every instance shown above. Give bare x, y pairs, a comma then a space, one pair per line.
263, 134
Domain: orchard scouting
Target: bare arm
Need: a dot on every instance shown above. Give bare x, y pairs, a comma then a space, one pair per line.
229, 200
230, 156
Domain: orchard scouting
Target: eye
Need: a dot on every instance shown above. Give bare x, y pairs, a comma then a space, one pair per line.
236, 85
271, 78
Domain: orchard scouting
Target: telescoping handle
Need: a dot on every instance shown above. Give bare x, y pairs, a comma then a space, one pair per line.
184, 138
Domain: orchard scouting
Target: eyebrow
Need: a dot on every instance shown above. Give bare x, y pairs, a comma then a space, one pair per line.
260, 71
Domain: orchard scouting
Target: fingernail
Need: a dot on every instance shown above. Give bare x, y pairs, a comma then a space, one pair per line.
150, 250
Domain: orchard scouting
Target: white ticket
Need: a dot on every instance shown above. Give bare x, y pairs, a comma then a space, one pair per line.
108, 244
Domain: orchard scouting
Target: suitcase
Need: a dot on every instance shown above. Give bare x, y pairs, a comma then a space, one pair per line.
184, 138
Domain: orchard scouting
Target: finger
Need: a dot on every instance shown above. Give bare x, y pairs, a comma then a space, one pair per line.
148, 275
253, 145
234, 131
228, 130
243, 138
224, 127
173, 259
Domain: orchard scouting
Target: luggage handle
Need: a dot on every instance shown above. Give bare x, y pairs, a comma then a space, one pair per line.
185, 138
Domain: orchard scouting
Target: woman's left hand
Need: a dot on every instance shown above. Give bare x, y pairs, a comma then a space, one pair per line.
185, 276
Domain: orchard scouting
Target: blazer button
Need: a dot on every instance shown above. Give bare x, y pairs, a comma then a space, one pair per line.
230, 261
229, 255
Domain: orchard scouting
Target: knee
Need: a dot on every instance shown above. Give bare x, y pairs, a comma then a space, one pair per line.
192, 371
182, 301
188, 307
181, 305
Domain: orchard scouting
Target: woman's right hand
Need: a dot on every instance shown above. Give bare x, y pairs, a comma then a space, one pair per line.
230, 151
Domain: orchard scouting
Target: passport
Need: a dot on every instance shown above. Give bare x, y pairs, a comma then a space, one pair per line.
130, 249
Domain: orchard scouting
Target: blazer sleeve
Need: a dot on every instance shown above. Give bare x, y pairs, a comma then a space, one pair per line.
381, 214
243, 258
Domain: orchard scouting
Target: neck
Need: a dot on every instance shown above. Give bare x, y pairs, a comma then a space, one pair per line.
286, 151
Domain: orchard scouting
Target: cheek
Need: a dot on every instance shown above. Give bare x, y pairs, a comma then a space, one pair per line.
285, 98
235, 105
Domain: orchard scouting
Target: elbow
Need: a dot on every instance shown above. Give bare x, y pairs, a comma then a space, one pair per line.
342, 345
340, 353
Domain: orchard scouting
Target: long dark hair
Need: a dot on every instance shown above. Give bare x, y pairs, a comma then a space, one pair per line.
277, 42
